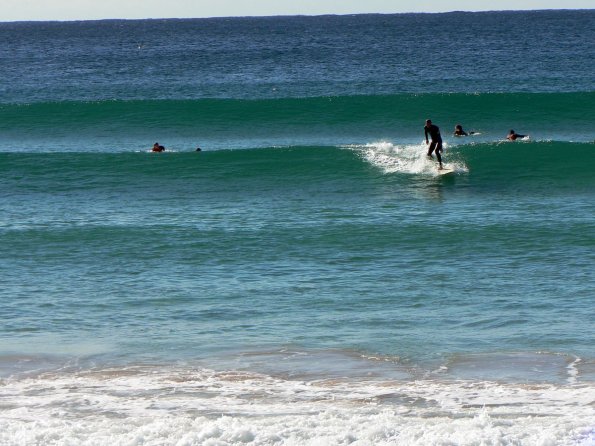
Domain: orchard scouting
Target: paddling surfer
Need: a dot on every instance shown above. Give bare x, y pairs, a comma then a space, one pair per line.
157, 148
512, 135
459, 131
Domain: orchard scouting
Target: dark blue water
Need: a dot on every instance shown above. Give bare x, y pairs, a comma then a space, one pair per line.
540, 51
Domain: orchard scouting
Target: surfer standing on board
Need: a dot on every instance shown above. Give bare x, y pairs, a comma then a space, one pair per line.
436, 144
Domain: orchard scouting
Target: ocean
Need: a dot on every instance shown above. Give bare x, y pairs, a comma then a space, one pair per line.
307, 277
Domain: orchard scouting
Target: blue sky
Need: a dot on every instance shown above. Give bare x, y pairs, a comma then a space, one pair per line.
11, 10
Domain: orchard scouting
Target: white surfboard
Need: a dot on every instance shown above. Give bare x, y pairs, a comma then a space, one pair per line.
445, 171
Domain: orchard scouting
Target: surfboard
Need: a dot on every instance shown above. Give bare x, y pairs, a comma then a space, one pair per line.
445, 171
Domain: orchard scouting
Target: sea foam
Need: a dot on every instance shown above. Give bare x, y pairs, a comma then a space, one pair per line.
192, 406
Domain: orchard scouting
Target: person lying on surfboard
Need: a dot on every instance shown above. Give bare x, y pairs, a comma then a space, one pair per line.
512, 135
460, 132
157, 148
436, 144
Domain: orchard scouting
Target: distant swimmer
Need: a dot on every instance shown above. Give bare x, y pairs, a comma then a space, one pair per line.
512, 135
157, 148
198, 149
460, 132
436, 144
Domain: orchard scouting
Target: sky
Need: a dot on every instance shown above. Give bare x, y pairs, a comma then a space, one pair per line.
17, 10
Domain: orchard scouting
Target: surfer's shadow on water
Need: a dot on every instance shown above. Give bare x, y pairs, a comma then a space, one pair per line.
435, 188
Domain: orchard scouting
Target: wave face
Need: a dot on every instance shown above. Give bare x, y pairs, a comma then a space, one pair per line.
216, 124
536, 164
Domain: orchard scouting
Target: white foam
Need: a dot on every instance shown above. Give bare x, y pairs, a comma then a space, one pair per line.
187, 406
408, 158
573, 371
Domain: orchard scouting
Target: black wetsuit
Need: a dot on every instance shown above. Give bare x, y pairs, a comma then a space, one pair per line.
434, 132
436, 144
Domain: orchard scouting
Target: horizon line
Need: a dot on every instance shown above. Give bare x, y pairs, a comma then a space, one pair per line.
290, 15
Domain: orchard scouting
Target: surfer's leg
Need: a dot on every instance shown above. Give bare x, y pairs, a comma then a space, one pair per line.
431, 148
438, 150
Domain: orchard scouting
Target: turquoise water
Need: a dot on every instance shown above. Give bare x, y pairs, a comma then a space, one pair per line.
308, 277
243, 249
215, 124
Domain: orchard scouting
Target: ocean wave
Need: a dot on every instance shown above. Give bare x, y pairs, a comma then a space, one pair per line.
194, 405
218, 123
549, 165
